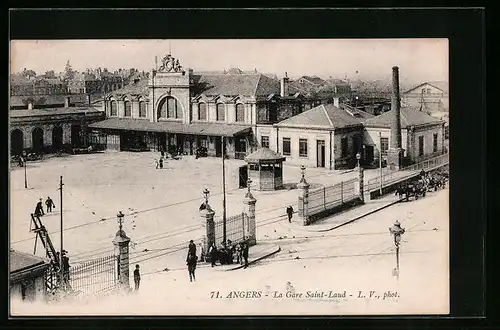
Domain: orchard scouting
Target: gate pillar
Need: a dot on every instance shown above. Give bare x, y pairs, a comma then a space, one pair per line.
207, 223
249, 220
121, 243
303, 187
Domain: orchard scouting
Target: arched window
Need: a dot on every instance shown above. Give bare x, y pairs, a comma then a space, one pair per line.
114, 109
221, 113
169, 108
142, 109
240, 112
128, 109
202, 111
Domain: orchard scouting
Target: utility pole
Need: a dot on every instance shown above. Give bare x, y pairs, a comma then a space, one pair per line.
61, 268
223, 192
25, 175
380, 161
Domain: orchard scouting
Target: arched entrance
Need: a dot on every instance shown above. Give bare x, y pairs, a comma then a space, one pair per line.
57, 138
16, 142
76, 132
37, 139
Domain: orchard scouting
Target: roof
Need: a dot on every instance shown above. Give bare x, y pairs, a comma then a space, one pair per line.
236, 84
357, 112
212, 129
314, 79
23, 100
442, 85
323, 117
264, 154
17, 79
140, 88
19, 261
409, 117
52, 111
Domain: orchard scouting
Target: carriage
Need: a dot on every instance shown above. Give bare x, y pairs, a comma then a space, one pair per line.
414, 189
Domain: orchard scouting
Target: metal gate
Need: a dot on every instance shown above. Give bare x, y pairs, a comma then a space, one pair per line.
94, 276
235, 229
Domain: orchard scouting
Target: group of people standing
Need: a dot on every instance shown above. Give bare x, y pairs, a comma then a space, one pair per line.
225, 255
49, 203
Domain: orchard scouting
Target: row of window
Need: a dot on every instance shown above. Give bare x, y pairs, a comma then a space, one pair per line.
421, 144
286, 150
128, 109
221, 112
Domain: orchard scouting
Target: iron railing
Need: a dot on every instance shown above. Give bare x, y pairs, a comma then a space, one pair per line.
406, 172
322, 199
235, 229
95, 276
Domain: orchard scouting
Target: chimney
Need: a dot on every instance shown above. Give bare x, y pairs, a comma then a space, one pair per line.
66, 102
395, 152
284, 86
396, 108
30, 105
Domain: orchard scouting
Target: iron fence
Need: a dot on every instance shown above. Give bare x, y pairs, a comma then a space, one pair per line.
95, 276
391, 177
322, 199
235, 228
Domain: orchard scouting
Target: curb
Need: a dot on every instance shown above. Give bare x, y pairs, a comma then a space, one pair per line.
256, 260
358, 217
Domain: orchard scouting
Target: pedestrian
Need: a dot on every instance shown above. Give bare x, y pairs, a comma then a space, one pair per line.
213, 254
65, 267
239, 258
191, 263
39, 208
191, 248
50, 204
162, 153
157, 163
422, 174
289, 212
137, 277
161, 163
245, 254
21, 161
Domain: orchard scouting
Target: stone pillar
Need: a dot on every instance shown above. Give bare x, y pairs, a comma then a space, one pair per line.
121, 243
395, 152
207, 223
303, 187
361, 178
249, 223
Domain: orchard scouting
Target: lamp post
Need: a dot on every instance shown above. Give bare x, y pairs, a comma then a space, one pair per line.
397, 231
25, 174
358, 157
223, 191
120, 216
206, 194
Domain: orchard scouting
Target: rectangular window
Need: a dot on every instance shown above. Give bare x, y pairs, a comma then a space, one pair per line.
420, 146
286, 147
142, 109
202, 111
221, 113
302, 147
240, 112
264, 141
435, 143
384, 146
344, 147
171, 107
428, 90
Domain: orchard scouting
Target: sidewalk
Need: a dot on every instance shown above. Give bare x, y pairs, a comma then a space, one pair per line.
343, 218
255, 253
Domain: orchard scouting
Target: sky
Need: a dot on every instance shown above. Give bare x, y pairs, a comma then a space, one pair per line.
418, 59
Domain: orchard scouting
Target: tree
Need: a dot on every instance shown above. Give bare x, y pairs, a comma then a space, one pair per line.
28, 73
50, 74
69, 73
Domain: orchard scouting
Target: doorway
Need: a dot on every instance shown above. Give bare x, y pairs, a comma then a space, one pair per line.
76, 138
37, 138
218, 146
369, 154
243, 176
161, 141
320, 153
16, 142
57, 138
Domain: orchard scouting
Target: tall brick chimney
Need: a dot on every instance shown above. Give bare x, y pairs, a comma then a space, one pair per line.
395, 152
284, 86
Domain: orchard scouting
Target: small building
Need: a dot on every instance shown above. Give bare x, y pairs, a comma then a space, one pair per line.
26, 276
265, 169
422, 136
324, 136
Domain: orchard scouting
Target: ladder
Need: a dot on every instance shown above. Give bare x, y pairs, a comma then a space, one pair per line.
52, 278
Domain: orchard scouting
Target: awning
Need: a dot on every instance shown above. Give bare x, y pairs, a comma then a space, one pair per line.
142, 125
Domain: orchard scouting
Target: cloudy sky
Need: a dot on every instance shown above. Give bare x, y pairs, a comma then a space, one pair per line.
418, 59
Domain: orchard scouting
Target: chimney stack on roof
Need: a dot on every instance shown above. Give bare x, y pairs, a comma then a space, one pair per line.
284, 86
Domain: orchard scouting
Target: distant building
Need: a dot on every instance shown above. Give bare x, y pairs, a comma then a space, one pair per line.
20, 85
429, 97
95, 81
26, 276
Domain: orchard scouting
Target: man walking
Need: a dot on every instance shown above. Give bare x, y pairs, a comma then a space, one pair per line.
39, 208
289, 212
191, 263
50, 204
213, 254
245, 254
137, 277
191, 248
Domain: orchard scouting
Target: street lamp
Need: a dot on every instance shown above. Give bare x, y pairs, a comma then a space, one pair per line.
397, 231
120, 216
358, 157
302, 172
206, 193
